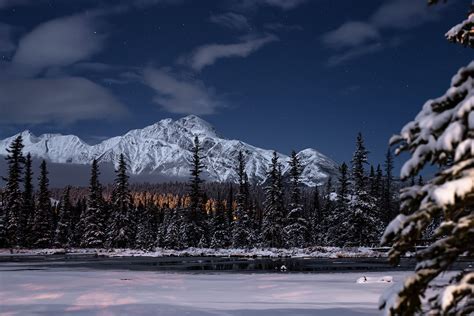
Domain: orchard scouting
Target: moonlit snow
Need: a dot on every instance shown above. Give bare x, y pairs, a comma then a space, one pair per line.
93, 292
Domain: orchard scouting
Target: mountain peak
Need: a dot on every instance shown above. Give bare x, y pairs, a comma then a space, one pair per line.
197, 126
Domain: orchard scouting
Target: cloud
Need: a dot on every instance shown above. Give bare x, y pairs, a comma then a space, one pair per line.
282, 27
6, 42
254, 4
354, 53
181, 95
365, 37
208, 54
58, 42
351, 34
60, 101
403, 14
231, 20
11, 3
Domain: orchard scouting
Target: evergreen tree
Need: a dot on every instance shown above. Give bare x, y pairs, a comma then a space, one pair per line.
93, 216
120, 229
449, 195
387, 195
339, 227
315, 218
296, 229
146, 229
242, 225
219, 226
64, 230
363, 222
28, 201
192, 226
43, 218
273, 215
13, 211
327, 209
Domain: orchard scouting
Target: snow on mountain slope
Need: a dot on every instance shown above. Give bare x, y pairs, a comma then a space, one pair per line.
164, 148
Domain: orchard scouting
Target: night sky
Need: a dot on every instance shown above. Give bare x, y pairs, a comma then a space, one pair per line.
278, 74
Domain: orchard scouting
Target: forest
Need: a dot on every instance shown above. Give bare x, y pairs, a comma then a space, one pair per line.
348, 211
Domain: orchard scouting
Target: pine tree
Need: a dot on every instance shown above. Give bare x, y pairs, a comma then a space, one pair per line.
327, 209
120, 232
449, 195
296, 229
315, 218
339, 227
43, 218
387, 194
219, 226
14, 217
242, 224
363, 221
146, 228
93, 216
192, 225
28, 201
64, 230
273, 214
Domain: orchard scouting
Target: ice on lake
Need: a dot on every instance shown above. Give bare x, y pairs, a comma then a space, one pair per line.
59, 291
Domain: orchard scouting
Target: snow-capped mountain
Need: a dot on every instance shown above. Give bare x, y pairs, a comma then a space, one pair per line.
164, 149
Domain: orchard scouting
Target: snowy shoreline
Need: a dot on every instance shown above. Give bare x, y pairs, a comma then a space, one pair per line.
314, 252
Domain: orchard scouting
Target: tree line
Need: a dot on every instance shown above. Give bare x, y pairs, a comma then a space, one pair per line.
351, 210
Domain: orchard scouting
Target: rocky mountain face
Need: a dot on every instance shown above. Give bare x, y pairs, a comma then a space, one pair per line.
164, 149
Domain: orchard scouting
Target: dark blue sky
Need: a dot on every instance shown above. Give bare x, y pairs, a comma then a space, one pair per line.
279, 74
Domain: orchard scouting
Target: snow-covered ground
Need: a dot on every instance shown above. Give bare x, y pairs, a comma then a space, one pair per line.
314, 252
94, 292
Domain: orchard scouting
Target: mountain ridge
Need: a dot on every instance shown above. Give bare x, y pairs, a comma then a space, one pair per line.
164, 148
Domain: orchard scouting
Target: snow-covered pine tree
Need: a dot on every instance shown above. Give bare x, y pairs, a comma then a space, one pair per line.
387, 203
338, 225
273, 213
192, 225
175, 231
363, 222
63, 234
296, 229
28, 201
43, 218
220, 227
146, 228
13, 196
440, 133
315, 218
327, 208
120, 232
93, 216
242, 221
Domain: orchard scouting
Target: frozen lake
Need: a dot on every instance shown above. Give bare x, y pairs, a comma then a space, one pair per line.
83, 291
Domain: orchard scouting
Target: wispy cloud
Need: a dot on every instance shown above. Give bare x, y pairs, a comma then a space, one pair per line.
6, 42
58, 42
181, 95
231, 20
254, 4
60, 101
208, 54
358, 38
282, 27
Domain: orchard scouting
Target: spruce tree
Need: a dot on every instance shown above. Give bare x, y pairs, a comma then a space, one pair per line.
219, 227
315, 218
339, 226
387, 194
296, 229
363, 223
28, 201
273, 214
14, 217
147, 227
242, 224
327, 209
64, 231
193, 222
43, 218
93, 216
448, 195
120, 232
